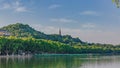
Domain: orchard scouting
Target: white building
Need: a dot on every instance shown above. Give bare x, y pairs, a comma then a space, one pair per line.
4, 33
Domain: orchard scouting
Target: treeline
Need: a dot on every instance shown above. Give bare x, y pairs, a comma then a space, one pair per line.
13, 45
22, 46
24, 30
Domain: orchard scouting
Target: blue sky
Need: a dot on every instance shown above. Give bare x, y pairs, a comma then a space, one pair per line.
90, 20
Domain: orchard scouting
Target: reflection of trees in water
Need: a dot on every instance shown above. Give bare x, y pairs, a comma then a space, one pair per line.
54, 61
41, 62
13, 62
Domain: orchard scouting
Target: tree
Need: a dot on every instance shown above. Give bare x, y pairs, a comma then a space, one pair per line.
117, 2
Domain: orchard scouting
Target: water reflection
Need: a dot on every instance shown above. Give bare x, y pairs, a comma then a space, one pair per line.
103, 62
61, 61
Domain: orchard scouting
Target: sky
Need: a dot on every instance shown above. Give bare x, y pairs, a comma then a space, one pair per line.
95, 21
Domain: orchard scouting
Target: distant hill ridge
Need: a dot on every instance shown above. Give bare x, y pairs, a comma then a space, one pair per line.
24, 30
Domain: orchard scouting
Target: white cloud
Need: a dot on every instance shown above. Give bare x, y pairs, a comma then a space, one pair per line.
46, 29
17, 3
62, 20
54, 6
6, 6
96, 36
15, 6
21, 9
93, 13
88, 25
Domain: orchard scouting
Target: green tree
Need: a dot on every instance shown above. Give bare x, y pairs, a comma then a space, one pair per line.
117, 2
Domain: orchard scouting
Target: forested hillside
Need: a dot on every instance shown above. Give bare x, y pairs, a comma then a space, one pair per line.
24, 30
26, 40
13, 45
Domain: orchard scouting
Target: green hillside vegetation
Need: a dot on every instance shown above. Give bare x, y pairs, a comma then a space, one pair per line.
13, 45
21, 30
24, 30
26, 40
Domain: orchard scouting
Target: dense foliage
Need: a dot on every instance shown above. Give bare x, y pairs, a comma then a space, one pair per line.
117, 3
26, 40
13, 45
21, 30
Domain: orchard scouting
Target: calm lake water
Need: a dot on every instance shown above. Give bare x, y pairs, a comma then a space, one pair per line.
61, 61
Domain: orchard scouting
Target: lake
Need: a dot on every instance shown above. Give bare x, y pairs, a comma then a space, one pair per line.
61, 61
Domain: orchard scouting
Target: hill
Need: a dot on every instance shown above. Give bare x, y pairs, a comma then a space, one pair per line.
26, 40
24, 30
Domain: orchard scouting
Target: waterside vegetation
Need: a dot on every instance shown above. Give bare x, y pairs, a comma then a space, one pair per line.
25, 40
22, 46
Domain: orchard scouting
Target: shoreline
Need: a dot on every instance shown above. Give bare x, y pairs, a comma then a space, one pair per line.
15, 56
30, 55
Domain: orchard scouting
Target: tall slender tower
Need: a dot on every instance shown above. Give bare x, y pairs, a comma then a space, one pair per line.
59, 31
